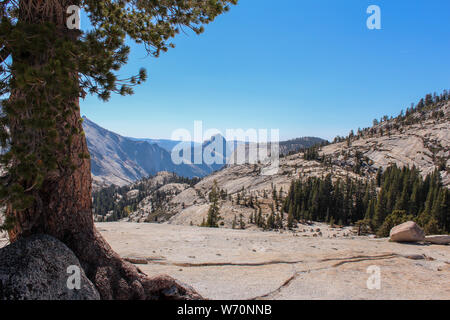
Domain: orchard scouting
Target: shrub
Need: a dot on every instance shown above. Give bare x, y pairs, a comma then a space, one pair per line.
394, 219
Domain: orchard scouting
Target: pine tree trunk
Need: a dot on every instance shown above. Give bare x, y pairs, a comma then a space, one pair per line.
63, 205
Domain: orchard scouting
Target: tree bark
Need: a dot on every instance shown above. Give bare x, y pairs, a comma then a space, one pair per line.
63, 205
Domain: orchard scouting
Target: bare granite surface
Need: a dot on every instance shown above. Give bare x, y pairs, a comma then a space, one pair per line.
250, 264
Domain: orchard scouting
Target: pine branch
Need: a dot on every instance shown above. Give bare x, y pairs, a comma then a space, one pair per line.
4, 54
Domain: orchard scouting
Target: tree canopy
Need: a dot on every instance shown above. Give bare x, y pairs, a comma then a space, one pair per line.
102, 51
46, 67
395, 196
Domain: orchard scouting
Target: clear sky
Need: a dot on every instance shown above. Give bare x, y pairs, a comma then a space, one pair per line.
308, 68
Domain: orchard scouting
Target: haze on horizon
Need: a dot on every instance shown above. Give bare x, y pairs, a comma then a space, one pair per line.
306, 68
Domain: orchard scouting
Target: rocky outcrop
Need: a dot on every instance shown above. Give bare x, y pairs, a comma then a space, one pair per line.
39, 268
407, 232
438, 239
417, 144
424, 144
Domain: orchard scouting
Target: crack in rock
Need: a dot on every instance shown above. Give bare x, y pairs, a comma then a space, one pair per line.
342, 261
364, 258
295, 275
284, 285
225, 264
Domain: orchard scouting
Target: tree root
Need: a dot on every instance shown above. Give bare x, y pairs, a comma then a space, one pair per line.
224, 264
129, 283
117, 279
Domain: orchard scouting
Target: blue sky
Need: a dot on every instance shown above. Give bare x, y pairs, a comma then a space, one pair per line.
308, 68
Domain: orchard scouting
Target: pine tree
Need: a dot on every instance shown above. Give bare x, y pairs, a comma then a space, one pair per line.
252, 217
279, 221
214, 212
241, 222
380, 210
290, 220
258, 219
45, 68
414, 199
270, 223
332, 222
350, 201
440, 210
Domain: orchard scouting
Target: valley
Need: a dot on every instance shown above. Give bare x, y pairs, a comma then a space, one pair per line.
419, 140
269, 239
190, 151
268, 244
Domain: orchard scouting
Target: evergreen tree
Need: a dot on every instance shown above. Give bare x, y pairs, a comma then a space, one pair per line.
241, 222
349, 201
45, 68
271, 219
290, 220
332, 222
213, 213
279, 221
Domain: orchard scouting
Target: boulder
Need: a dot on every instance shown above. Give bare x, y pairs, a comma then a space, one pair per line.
438, 239
407, 232
40, 268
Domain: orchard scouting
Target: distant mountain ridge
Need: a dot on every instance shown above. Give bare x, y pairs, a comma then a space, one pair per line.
120, 161
295, 145
420, 139
166, 144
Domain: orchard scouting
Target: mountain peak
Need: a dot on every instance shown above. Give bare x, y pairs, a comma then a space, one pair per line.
120, 161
